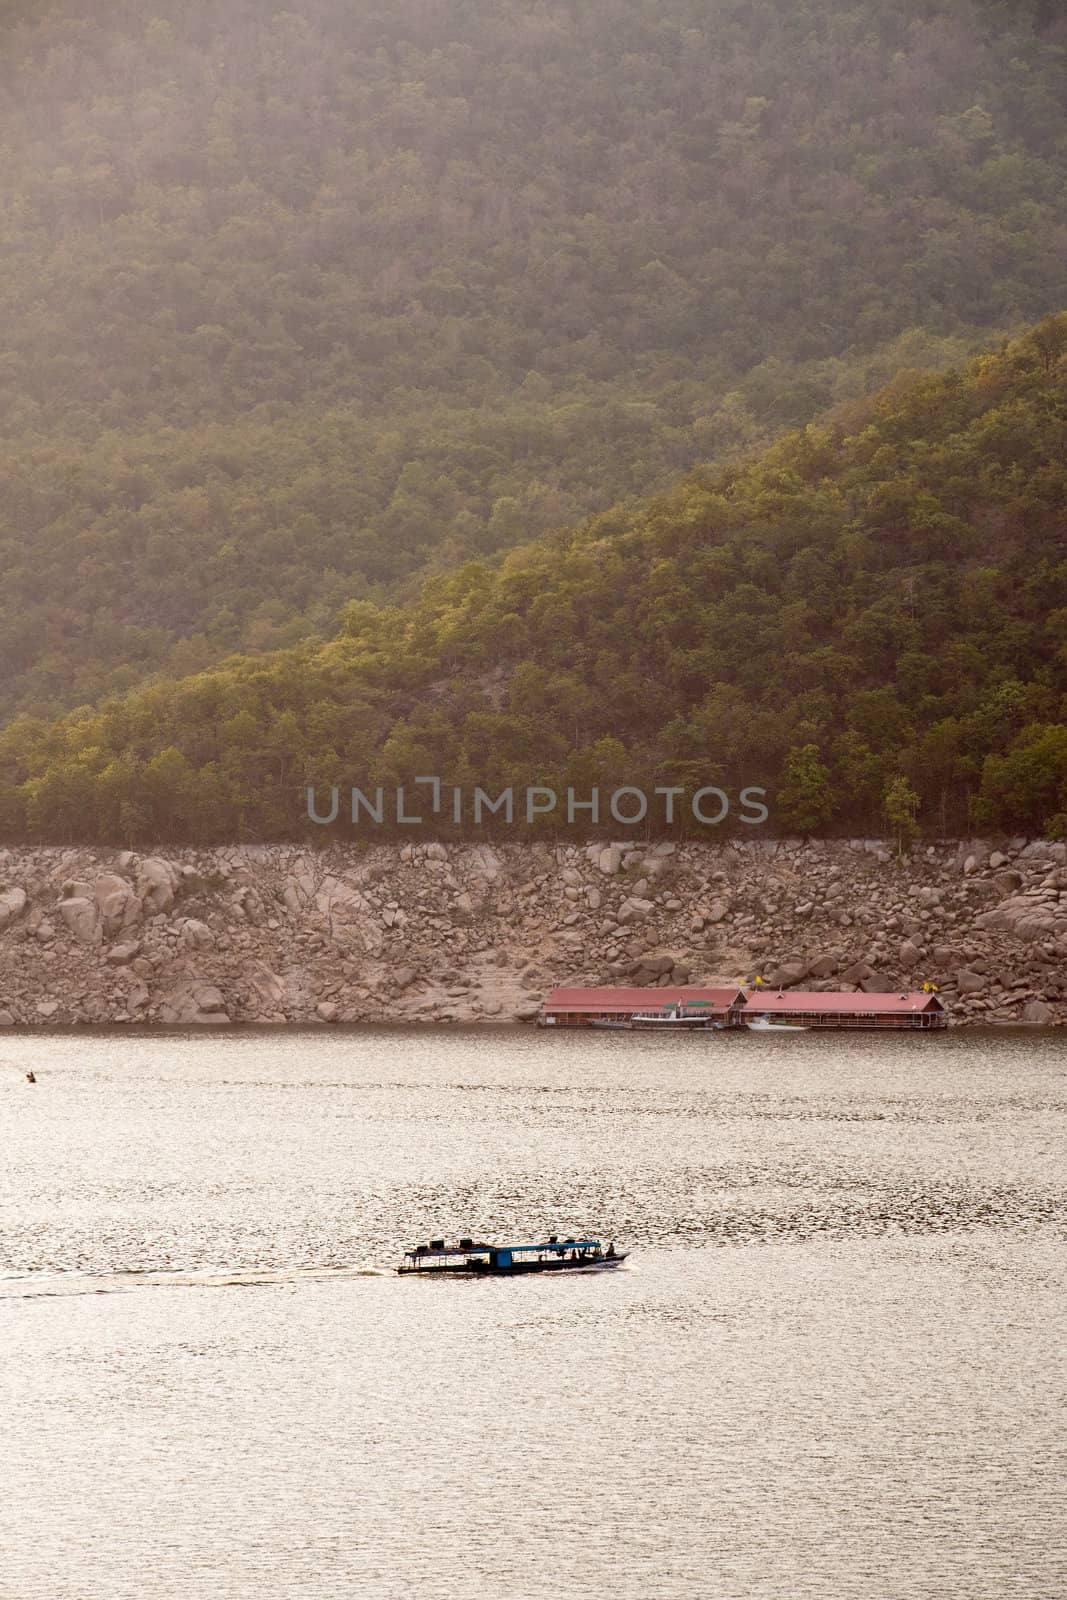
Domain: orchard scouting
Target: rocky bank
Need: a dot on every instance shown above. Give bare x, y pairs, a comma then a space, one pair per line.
429, 932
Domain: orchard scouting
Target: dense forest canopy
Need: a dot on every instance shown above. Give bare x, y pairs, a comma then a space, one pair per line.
870, 619
298, 304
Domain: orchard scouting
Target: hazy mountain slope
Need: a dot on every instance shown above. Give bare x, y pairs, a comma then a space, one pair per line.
296, 303
866, 605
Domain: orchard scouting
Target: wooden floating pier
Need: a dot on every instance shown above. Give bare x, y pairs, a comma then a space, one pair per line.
740, 1006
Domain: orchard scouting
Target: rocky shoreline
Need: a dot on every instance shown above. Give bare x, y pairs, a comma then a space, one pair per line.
429, 932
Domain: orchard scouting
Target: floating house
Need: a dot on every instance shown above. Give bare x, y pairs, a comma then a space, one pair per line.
736, 1007
579, 1008
815, 1009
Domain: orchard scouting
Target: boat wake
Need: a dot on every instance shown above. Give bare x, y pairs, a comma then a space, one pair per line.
47, 1285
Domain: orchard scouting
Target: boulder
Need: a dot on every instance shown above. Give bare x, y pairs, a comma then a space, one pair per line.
909, 955
267, 985
789, 974
610, 860
116, 902
12, 905
823, 967
248, 904
876, 984
486, 864
1036, 1011
136, 995
1008, 882
193, 1002
6, 1019
338, 900
1023, 916
634, 910
527, 1012
81, 919
716, 911
195, 935
857, 973
327, 1011
47, 1008
157, 883
295, 895
968, 982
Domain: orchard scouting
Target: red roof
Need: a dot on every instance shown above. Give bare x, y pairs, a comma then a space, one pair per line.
766, 999
608, 999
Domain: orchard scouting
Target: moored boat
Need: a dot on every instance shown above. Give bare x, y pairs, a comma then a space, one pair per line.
674, 1018
470, 1259
765, 1025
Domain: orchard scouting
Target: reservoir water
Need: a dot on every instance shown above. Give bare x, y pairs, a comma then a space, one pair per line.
835, 1365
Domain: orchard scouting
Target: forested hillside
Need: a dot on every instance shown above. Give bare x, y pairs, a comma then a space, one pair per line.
870, 619
300, 303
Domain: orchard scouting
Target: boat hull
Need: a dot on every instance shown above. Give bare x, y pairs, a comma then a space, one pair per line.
684, 1026
520, 1269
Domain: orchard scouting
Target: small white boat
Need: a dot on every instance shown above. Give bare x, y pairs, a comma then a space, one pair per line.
765, 1025
660, 1021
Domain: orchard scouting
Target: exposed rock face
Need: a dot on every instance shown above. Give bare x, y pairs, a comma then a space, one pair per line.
428, 931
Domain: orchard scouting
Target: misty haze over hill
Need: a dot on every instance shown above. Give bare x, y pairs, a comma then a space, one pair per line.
298, 304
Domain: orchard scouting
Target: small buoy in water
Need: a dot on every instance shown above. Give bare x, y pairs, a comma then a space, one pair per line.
30, 1078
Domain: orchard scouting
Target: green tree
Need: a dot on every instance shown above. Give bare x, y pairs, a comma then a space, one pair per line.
900, 807
805, 800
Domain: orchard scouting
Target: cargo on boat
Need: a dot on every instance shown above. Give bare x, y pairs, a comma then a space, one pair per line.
469, 1259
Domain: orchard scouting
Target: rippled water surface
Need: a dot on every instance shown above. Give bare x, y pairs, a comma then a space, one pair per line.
835, 1365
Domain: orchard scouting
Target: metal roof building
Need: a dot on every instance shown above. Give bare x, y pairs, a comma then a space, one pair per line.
826, 1009
577, 1007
